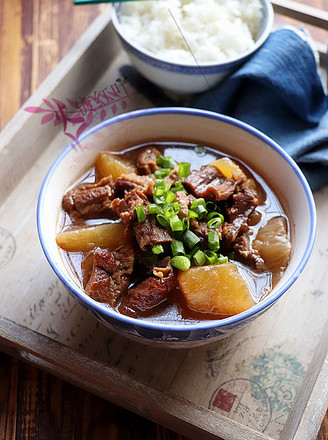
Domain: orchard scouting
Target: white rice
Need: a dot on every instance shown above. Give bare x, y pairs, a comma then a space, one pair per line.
215, 30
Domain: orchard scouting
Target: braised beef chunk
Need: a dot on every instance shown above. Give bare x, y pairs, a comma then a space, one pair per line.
142, 299
173, 176
147, 161
242, 246
125, 208
201, 228
184, 200
230, 231
111, 274
128, 182
238, 210
209, 183
150, 233
89, 199
243, 203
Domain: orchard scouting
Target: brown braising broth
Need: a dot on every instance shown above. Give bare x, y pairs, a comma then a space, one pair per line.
260, 283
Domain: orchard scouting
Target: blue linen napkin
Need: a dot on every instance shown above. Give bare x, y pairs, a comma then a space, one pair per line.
279, 91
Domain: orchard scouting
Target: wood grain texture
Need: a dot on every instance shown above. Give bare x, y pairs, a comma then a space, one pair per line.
34, 36
37, 405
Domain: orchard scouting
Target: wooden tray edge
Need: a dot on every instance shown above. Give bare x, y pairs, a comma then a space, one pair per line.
119, 387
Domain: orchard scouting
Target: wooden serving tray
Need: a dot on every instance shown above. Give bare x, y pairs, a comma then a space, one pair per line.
268, 381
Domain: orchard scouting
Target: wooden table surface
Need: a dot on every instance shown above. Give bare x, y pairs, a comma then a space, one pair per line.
34, 36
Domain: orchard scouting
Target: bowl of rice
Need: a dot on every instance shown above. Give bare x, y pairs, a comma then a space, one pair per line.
187, 46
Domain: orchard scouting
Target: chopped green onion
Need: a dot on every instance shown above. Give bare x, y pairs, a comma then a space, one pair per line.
215, 222
162, 173
198, 206
213, 241
186, 224
176, 207
159, 200
176, 224
222, 259
184, 169
152, 208
163, 221
211, 257
157, 249
213, 214
194, 250
199, 258
196, 203
177, 248
160, 183
166, 162
200, 211
160, 192
210, 206
140, 213
190, 239
178, 187
169, 212
181, 262
170, 196
192, 214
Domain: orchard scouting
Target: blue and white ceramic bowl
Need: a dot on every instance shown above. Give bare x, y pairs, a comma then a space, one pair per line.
187, 78
186, 125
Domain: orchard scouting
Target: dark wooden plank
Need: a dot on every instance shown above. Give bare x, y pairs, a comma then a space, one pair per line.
46, 408
8, 396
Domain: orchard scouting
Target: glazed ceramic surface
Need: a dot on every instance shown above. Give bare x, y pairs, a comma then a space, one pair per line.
186, 125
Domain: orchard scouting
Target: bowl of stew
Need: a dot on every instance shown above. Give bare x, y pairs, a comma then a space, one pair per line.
176, 226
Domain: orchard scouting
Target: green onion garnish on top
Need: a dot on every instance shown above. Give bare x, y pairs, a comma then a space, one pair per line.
162, 173
162, 220
140, 213
178, 187
176, 224
213, 240
166, 162
167, 210
177, 248
184, 169
215, 222
222, 259
190, 239
211, 257
213, 214
181, 262
199, 258
197, 202
170, 196
152, 208
192, 214
157, 249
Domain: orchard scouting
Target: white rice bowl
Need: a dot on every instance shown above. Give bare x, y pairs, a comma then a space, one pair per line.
214, 30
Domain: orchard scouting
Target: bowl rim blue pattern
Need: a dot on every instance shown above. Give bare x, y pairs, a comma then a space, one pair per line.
205, 325
190, 68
